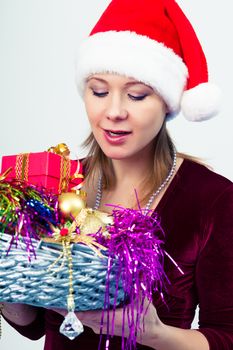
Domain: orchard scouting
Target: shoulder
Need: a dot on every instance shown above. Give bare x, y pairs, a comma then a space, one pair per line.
202, 181
199, 171
196, 188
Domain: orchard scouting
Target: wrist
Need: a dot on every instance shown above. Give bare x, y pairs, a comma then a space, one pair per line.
150, 336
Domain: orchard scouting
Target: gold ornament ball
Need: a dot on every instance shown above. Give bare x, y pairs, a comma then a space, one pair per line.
70, 203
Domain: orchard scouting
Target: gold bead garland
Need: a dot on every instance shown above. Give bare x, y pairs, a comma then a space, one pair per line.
70, 298
1, 308
87, 221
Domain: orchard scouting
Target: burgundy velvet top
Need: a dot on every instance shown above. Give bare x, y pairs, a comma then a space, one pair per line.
196, 214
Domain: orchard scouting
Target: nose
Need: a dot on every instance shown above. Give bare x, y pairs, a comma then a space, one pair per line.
116, 109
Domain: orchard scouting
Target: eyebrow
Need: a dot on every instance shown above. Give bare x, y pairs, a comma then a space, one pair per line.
129, 83
99, 79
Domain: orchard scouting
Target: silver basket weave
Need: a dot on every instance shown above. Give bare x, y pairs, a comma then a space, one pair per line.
31, 282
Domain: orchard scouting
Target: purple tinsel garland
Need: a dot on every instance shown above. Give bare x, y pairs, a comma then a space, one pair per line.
136, 240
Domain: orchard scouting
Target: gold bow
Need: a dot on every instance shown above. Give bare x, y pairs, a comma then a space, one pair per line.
88, 221
63, 150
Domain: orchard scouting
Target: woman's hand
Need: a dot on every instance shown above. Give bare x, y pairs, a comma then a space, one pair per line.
149, 325
20, 314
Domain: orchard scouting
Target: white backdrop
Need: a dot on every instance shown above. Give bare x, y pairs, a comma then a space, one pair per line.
39, 105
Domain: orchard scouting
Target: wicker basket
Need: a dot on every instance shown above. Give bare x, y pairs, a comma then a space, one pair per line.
22, 281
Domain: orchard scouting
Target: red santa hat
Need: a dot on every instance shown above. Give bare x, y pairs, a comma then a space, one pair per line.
153, 42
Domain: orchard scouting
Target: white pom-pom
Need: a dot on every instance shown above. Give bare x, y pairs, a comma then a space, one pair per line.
201, 102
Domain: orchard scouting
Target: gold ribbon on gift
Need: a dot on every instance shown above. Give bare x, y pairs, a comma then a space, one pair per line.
76, 175
63, 150
21, 166
64, 175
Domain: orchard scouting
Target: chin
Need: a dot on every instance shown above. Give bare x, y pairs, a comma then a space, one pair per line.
117, 155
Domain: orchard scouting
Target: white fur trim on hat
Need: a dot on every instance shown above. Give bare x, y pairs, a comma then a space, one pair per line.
201, 102
136, 56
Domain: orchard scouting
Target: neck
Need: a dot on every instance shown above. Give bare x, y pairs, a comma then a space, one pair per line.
131, 171
123, 168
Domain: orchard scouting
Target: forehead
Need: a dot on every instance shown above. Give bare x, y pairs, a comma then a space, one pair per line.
108, 78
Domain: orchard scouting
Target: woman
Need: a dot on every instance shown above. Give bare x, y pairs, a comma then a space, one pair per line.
140, 65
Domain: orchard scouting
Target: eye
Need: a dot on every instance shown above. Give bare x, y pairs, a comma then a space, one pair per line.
137, 98
99, 94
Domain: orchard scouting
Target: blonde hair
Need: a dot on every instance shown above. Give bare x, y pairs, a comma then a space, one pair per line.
97, 163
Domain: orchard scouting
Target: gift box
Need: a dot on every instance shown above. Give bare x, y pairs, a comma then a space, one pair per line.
50, 170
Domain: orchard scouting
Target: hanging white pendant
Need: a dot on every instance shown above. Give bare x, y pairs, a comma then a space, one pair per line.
71, 327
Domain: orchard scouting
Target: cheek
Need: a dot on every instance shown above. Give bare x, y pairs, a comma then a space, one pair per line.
91, 111
158, 122
152, 121
94, 109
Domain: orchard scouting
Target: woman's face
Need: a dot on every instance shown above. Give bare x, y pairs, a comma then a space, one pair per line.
125, 115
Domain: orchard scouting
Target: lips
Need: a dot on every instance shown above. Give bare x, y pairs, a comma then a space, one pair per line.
117, 133
116, 137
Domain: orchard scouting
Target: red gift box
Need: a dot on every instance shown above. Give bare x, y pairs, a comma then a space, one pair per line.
50, 170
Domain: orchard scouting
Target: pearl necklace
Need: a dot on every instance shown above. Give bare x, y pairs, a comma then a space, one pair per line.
152, 197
